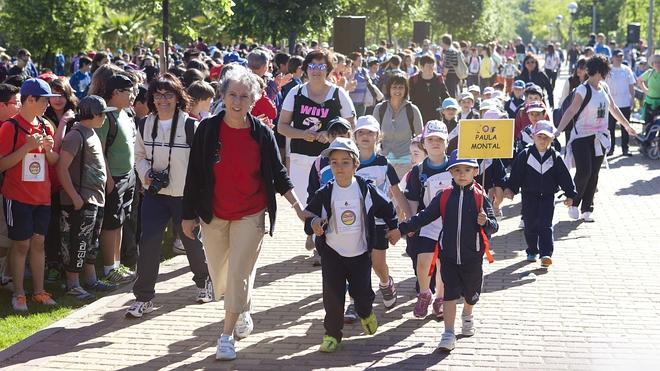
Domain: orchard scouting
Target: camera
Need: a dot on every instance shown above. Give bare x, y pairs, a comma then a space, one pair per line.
159, 180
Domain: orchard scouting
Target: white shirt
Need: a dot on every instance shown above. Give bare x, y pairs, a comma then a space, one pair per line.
347, 108
552, 61
595, 116
619, 81
346, 228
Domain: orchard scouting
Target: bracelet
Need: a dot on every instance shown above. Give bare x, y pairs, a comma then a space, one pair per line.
295, 204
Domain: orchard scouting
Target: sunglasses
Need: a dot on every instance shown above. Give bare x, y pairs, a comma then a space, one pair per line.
319, 67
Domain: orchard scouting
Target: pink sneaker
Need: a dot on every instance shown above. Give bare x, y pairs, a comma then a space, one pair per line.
422, 305
437, 308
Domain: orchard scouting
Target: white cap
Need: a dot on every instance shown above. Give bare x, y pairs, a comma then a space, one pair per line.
367, 122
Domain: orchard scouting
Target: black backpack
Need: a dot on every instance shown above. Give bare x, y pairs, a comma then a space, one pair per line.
558, 113
409, 114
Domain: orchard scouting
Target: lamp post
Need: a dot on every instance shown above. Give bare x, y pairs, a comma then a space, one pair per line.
558, 20
572, 10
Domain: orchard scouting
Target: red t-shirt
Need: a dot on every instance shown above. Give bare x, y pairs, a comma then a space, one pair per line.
14, 188
264, 106
239, 188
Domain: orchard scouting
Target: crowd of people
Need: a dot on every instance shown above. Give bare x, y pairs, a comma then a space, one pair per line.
362, 146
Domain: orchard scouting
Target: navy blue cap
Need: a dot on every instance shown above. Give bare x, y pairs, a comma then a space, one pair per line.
36, 88
519, 84
454, 161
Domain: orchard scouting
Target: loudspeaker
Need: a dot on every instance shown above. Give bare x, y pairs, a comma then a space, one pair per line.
421, 31
348, 34
633, 33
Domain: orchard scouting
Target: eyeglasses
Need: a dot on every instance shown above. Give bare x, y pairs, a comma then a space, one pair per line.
319, 67
166, 96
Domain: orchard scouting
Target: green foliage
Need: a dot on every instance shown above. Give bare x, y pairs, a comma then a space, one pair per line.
126, 29
45, 26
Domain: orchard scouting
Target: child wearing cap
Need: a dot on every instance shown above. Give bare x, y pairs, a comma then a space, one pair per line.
82, 173
381, 173
449, 112
466, 101
344, 223
26, 154
533, 93
426, 181
476, 92
516, 98
538, 172
468, 221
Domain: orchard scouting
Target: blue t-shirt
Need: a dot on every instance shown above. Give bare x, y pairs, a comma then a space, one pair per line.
80, 82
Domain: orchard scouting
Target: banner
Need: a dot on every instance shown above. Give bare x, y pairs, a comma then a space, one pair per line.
485, 138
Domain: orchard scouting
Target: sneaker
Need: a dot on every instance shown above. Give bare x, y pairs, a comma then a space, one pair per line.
309, 243
437, 308
138, 308
521, 225
101, 286
389, 293
350, 315
369, 324
177, 247
53, 275
422, 305
79, 293
586, 216
205, 294
119, 276
447, 341
531, 257
43, 298
316, 259
546, 261
127, 270
7, 283
19, 303
225, 350
244, 326
468, 326
573, 213
328, 344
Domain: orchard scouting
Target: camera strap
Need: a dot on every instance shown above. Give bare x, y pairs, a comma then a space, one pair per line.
154, 134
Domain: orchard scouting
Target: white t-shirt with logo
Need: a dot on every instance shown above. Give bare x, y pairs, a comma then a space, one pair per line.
346, 228
619, 81
595, 116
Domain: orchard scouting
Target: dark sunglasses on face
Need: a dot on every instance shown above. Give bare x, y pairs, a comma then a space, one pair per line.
320, 66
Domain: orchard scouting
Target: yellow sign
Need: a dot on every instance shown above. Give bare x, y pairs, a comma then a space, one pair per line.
485, 138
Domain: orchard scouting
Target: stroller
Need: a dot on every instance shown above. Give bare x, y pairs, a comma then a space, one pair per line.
649, 142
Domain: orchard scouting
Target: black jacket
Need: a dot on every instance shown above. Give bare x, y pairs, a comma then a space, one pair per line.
375, 205
537, 175
460, 231
539, 78
200, 180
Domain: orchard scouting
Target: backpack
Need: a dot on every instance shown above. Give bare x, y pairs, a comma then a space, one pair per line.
558, 113
112, 131
461, 68
478, 200
189, 129
409, 114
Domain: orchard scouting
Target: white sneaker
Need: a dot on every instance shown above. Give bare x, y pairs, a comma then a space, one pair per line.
468, 326
225, 350
244, 326
205, 294
138, 308
177, 247
447, 342
521, 225
586, 216
574, 213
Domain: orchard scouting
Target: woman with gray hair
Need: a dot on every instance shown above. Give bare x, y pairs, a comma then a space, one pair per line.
233, 174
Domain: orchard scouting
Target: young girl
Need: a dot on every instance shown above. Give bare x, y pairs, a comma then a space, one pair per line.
450, 109
381, 173
345, 227
427, 180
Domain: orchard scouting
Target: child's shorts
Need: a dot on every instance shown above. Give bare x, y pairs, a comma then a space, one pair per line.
422, 245
25, 220
462, 280
380, 242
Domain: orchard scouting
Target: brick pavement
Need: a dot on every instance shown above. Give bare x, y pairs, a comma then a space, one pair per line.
597, 308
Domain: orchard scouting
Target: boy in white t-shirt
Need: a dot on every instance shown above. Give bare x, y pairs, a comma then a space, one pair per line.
345, 212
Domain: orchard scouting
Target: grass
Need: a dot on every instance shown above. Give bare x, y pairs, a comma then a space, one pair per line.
16, 327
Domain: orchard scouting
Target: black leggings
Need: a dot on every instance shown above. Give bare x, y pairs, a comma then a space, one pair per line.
552, 76
587, 166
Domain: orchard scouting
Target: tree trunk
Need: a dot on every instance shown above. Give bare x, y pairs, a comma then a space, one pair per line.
293, 35
389, 22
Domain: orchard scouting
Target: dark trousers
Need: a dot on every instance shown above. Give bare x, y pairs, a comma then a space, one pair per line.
336, 270
484, 83
79, 232
472, 80
410, 250
157, 210
538, 210
131, 229
552, 76
452, 81
624, 134
587, 167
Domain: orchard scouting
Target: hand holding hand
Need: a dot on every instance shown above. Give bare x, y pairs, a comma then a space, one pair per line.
568, 202
393, 236
188, 226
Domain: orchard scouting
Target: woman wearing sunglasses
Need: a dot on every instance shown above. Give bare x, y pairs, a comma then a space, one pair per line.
532, 73
306, 112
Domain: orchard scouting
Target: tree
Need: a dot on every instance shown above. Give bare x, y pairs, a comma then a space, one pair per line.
457, 17
126, 29
47, 26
